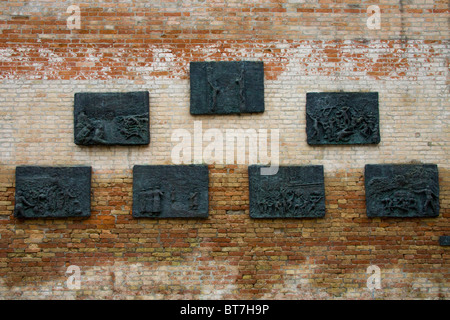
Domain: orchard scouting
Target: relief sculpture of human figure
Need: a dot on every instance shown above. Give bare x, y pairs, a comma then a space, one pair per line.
42, 203
194, 201
151, 201
157, 194
84, 127
76, 205
21, 204
90, 131
314, 200
215, 88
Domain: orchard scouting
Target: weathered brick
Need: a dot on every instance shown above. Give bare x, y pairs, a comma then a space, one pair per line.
305, 47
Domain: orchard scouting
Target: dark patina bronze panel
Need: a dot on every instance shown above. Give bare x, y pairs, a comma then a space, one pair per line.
52, 192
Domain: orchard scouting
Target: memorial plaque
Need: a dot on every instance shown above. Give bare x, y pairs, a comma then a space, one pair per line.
170, 191
111, 118
444, 240
294, 192
52, 192
227, 87
342, 118
402, 190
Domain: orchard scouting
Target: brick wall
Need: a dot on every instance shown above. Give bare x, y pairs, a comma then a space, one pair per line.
306, 46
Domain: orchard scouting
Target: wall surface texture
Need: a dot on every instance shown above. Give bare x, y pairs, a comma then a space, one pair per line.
306, 46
